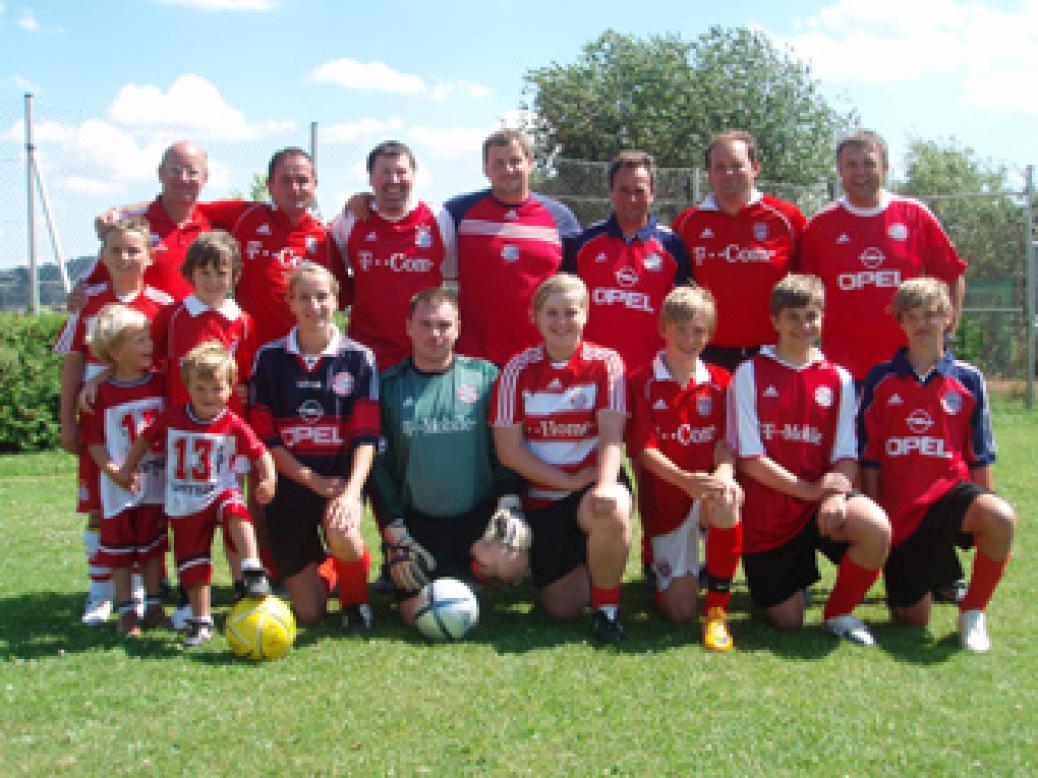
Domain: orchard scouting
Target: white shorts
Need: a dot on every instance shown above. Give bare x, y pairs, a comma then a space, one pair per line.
677, 553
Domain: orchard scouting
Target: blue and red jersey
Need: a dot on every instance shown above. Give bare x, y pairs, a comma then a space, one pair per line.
923, 434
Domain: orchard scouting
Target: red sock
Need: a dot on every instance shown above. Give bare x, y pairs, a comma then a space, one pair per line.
353, 579
723, 548
328, 573
852, 584
603, 597
987, 573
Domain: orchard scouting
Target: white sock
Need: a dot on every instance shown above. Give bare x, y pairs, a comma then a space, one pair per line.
100, 577
251, 563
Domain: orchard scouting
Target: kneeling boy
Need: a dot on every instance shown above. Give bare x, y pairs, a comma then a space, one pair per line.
791, 424
927, 450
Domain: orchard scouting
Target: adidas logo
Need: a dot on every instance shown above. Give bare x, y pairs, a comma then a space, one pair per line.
660, 406
844, 238
771, 391
511, 214
601, 257
555, 384
895, 399
371, 237
408, 402
263, 229
707, 233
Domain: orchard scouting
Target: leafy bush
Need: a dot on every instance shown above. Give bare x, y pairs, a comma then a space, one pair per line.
30, 382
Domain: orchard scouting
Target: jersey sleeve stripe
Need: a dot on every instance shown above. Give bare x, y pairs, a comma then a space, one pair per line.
506, 230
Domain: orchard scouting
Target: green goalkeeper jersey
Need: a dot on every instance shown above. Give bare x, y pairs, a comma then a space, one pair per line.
436, 455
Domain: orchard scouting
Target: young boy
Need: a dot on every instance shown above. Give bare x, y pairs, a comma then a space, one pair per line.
687, 471
791, 425
133, 526
205, 443
927, 449
126, 254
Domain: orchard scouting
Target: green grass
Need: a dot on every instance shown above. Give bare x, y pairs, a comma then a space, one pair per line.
522, 695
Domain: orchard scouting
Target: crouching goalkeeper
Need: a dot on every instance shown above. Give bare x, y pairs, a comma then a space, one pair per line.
446, 507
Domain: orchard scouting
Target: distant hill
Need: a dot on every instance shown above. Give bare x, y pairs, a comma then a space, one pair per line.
14, 284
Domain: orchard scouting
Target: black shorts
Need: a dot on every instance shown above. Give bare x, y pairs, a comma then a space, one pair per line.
559, 544
294, 525
449, 538
926, 559
775, 575
728, 357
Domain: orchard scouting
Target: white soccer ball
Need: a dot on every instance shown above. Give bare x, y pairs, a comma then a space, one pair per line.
448, 610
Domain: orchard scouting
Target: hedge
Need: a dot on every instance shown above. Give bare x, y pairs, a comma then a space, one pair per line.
30, 382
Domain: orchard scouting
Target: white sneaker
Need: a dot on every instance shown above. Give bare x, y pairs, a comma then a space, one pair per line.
973, 631
96, 611
180, 618
850, 628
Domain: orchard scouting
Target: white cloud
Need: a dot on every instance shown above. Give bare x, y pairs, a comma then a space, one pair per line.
192, 105
351, 74
225, 5
362, 131
28, 22
379, 77
23, 83
992, 54
43, 132
449, 142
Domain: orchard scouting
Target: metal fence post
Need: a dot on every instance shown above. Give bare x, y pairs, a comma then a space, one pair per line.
30, 203
1029, 252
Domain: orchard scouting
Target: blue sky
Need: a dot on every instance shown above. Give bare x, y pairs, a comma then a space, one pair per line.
115, 81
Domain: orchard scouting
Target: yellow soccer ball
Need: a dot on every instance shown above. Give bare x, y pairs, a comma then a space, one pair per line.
261, 628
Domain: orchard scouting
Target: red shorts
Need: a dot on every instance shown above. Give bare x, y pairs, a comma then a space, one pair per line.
131, 537
193, 537
88, 499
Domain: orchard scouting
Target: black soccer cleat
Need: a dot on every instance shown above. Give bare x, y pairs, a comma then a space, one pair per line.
605, 629
357, 619
199, 632
256, 583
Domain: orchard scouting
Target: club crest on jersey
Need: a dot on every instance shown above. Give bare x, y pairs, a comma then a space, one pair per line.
897, 231
311, 244
468, 393
705, 405
699, 254
627, 277
422, 237
342, 384
371, 237
824, 396
510, 253
760, 231
919, 421
871, 257
579, 397
310, 411
263, 229
951, 401
653, 261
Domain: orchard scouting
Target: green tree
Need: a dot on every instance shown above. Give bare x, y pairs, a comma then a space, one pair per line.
257, 190
669, 96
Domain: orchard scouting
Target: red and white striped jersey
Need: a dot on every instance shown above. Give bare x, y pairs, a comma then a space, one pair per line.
800, 417
557, 406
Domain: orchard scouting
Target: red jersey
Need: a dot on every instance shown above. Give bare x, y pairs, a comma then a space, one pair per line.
271, 248
503, 253
627, 281
739, 258
802, 418
923, 434
203, 458
684, 424
169, 243
72, 338
193, 322
862, 256
557, 406
389, 262
121, 412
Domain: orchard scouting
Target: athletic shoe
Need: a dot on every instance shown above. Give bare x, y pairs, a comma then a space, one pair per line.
96, 611
199, 632
973, 631
129, 624
256, 583
605, 629
239, 592
951, 593
155, 618
179, 618
716, 636
850, 628
357, 619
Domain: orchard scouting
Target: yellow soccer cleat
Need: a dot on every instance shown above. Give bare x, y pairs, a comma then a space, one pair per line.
716, 636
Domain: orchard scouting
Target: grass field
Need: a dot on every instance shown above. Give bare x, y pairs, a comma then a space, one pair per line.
522, 695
